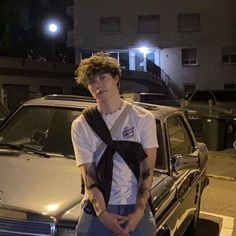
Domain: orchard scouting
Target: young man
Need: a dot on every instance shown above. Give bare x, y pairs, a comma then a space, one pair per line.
126, 210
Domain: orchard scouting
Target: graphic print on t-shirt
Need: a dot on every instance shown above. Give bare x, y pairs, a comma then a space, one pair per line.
128, 132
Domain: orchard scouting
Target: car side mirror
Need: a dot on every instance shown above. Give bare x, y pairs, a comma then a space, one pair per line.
184, 162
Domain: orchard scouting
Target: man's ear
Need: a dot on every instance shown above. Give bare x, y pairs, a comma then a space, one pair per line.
117, 79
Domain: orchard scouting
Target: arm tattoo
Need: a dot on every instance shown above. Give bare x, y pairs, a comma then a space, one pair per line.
141, 191
145, 174
91, 179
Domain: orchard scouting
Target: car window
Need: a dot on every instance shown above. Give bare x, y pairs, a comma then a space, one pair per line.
160, 160
202, 96
41, 128
180, 142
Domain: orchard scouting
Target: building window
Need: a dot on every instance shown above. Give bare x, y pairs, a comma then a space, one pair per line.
149, 24
109, 25
189, 56
124, 60
114, 55
189, 23
229, 55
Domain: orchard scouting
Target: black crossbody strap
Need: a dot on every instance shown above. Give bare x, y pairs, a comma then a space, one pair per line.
114, 128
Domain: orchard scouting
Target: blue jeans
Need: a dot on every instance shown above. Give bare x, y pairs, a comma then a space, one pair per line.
89, 225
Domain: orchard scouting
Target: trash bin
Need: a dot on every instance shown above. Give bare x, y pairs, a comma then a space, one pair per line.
230, 132
213, 132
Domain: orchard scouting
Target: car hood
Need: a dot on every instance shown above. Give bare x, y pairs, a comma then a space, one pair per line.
50, 186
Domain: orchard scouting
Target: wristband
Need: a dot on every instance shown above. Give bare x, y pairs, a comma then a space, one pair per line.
100, 214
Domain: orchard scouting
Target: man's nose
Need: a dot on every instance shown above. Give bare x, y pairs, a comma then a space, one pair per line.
98, 83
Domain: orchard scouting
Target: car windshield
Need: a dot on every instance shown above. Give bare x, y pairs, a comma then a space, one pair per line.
44, 129
225, 96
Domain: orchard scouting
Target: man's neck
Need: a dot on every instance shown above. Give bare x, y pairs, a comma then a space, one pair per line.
111, 106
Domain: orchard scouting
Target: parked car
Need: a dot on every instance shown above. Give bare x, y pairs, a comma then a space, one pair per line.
40, 182
154, 98
213, 102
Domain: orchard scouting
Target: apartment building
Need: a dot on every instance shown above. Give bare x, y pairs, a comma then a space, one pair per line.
193, 42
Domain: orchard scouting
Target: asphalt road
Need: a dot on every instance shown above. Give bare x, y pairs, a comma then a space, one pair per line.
218, 208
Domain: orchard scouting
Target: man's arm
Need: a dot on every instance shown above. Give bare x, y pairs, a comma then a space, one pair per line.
110, 220
144, 188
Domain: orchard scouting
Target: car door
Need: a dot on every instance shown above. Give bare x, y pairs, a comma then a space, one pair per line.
182, 144
163, 191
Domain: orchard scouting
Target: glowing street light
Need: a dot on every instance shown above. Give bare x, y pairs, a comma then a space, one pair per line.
52, 28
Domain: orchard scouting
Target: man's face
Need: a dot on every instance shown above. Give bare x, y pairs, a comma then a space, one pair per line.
103, 87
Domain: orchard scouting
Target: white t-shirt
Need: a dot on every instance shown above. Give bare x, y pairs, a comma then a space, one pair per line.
138, 126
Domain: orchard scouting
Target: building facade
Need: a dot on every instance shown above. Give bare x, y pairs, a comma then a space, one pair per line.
193, 42
22, 79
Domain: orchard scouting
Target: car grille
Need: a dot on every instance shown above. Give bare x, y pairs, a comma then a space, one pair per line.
27, 228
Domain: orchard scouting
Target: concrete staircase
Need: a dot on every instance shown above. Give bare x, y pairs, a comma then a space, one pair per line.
152, 82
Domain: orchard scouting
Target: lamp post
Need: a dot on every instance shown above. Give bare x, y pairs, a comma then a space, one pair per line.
53, 29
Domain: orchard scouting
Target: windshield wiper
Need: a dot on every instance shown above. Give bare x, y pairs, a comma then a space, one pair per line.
10, 145
24, 148
68, 156
29, 149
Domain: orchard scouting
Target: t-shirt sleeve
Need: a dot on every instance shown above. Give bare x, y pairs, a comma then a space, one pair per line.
148, 131
84, 146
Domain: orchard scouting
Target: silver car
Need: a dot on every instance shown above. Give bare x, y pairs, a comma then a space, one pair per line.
40, 182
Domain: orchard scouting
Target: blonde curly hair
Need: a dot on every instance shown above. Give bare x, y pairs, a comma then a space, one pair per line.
98, 64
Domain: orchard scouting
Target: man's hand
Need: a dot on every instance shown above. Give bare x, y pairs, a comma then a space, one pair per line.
134, 219
113, 222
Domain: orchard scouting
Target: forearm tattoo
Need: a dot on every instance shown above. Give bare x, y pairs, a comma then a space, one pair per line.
145, 174
142, 191
91, 180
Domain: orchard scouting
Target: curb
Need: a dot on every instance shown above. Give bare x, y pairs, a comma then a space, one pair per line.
222, 177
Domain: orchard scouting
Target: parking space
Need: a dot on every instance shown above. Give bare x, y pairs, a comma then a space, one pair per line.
215, 224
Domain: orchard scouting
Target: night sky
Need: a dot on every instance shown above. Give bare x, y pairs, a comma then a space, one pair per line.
23, 30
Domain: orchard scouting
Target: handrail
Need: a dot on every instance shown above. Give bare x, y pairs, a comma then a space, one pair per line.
153, 68
173, 88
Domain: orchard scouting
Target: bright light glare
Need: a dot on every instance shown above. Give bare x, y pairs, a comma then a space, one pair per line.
52, 27
144, 50
52, 207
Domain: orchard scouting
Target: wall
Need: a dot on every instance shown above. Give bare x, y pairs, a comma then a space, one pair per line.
33, 74
218, 29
